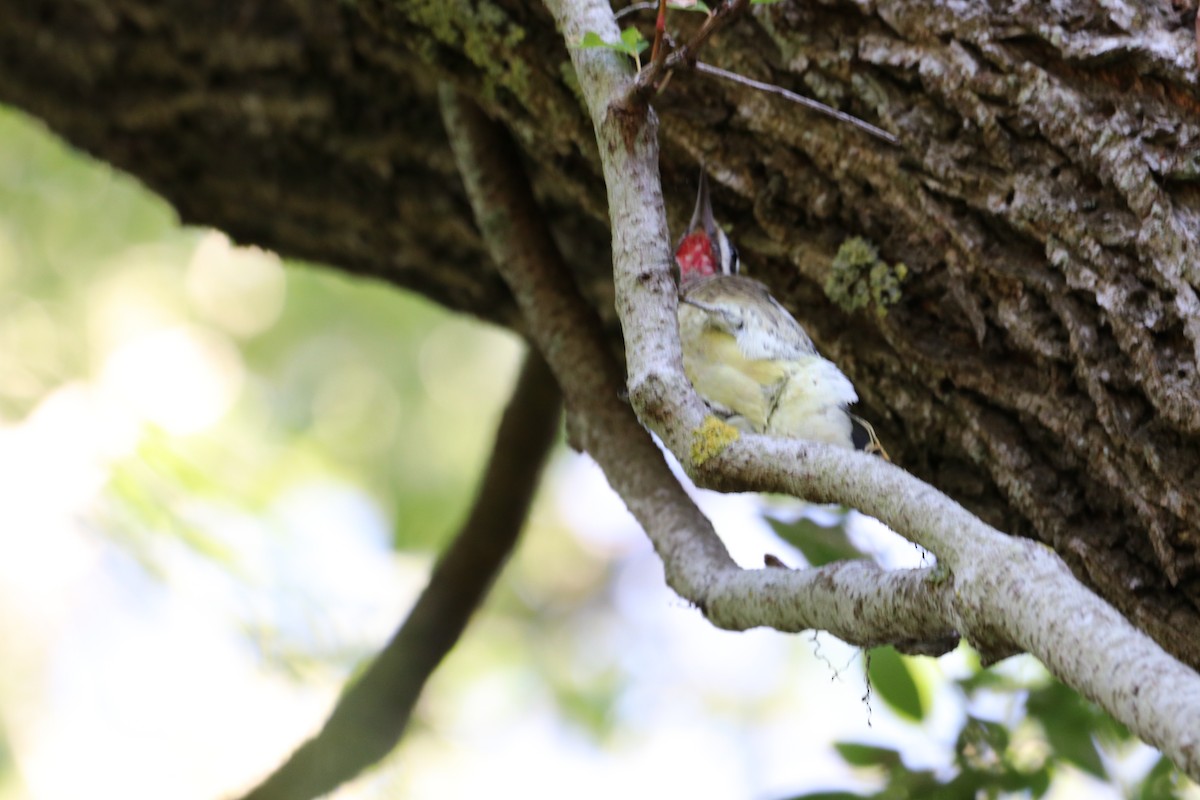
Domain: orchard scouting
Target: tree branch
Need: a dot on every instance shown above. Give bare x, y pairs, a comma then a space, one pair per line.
856, 601
662, 62
373, 713
1006, 592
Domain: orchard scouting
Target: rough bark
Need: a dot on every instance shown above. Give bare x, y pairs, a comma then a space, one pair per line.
1040, 363
1002, 594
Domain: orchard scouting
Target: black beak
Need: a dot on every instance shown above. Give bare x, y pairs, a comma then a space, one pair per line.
703, 214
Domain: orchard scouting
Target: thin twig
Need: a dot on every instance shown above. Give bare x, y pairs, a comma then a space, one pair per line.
633, 8
373, 713
657, 53
807, 102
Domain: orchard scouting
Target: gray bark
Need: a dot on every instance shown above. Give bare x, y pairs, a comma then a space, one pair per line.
1040, 362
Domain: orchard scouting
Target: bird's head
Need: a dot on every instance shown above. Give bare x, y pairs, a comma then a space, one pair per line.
705, 249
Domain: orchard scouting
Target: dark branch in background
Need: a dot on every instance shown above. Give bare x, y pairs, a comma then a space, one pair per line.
856, 601
373, 713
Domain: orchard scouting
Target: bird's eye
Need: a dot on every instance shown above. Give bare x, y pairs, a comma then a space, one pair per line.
734, 263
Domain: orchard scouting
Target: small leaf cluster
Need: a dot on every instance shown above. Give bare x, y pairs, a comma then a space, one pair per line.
632, 43
1050, 728
992, 759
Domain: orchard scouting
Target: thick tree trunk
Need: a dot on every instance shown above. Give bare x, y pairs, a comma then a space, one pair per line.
1040, 363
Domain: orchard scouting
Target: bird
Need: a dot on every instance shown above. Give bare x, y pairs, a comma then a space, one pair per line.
747, 357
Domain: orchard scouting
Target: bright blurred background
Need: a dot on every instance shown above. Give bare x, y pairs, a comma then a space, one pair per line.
223, 481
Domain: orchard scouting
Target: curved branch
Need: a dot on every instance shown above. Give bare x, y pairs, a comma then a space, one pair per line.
1006, 592
373, 713
858, 602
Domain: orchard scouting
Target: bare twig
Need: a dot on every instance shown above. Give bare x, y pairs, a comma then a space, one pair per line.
807, 102
1007, 593
373, 713
657, 53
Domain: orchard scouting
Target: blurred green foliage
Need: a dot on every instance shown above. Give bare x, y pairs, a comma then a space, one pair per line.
62, 221
820, 544
397, 396
1049, 728
889, 675
7, 767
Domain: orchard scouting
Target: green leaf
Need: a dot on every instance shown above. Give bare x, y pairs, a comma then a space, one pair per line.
1070, 723
988, 679
890, 676
1160, 783
866, 755
1037, 783
965, 784
592, 39
633, 40
982, 746
1077, 746
819, 545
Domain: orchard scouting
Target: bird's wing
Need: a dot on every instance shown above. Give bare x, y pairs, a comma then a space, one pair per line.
721, 373
743, 308
745, 353
811, 403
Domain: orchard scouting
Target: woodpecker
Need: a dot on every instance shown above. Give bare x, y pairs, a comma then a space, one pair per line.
747, 356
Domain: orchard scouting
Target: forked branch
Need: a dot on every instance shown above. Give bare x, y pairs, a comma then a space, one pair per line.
1007, 594
662, 61
855, 600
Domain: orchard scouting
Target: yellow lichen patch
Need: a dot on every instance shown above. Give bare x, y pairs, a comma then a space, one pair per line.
940, 575
860, 278
711, 439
